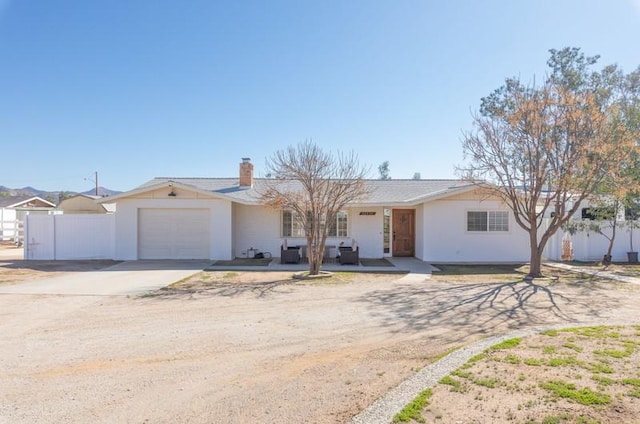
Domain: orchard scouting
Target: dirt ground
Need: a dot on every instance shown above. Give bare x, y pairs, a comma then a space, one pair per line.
578, 375
260, 347
15, 272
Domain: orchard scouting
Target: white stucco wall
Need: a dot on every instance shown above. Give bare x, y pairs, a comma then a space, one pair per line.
420, 231
446, 239
126, 247
259, 227
256, 227
367, 231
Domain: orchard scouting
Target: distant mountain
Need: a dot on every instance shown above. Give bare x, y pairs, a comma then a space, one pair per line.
52, 196
102, 191
27, 191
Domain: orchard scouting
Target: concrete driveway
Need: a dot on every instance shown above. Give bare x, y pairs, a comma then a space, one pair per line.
126, 278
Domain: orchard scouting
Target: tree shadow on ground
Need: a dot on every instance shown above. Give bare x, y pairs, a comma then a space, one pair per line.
56, 266
225, 289
483, 307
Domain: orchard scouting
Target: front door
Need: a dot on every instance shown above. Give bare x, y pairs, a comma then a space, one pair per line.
404, 232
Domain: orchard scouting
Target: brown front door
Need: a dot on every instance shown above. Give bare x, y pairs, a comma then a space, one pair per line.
404, 235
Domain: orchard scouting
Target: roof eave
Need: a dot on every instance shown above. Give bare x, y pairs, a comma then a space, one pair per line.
16, 205
146, 189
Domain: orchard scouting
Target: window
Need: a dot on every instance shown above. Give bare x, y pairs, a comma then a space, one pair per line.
632, 213
338, 228
604, 213
291, 226
491, 221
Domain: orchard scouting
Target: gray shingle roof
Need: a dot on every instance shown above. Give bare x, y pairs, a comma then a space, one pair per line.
381, 191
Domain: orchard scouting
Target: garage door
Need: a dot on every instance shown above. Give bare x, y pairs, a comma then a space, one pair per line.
173, 233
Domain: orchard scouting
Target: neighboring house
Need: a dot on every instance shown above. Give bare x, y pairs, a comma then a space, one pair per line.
85, 203
223, 218
13, 209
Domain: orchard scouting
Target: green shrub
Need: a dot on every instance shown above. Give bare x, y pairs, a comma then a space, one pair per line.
413, 411
507, 344
583, 396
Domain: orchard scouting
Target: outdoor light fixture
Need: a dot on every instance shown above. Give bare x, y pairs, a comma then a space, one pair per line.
171, 193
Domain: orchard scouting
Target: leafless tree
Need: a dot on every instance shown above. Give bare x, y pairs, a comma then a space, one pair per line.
315, 185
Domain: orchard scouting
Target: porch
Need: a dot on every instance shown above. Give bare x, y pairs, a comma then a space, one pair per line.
397, 265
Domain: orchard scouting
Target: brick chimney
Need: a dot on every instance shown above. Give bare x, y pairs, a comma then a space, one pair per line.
246, 173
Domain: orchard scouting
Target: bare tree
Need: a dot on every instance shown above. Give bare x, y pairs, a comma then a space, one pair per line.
315, 185
546, 148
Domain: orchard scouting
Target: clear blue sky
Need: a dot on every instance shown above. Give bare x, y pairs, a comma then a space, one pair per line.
141, 88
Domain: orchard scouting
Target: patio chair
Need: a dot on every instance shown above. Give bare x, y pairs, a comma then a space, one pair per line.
350, 255
289, 255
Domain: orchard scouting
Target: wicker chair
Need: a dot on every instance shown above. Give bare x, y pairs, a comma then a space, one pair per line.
289, 255
348, 255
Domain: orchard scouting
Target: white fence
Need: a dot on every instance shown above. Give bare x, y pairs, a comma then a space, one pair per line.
591, 246
11, 230
61, 237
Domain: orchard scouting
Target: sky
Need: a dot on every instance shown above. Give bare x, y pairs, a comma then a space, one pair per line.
137, 89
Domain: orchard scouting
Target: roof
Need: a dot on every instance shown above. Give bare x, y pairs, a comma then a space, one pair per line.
381, 192
17, 201
108, 207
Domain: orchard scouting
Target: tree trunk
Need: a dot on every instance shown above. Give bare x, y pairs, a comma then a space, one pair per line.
315, 254
535, 265
314, 265
535, 261
607, 257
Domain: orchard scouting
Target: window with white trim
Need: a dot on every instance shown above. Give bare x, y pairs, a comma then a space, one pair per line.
488, 221
339, 227
291, 226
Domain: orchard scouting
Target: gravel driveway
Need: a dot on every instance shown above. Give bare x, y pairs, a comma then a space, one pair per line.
264, 353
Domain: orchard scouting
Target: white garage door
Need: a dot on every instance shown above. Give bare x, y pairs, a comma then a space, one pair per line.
173, 233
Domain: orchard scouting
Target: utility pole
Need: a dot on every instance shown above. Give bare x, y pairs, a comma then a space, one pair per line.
94, 179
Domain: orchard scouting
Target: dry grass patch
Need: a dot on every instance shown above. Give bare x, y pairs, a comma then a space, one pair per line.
575, 375
618, 268
231, 283
505, 273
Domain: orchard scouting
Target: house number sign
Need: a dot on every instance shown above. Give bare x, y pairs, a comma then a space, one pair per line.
367, 213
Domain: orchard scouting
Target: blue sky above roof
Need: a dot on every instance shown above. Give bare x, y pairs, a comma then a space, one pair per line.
139, 89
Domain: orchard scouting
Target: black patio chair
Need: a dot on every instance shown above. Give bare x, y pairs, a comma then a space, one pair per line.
349, 256
289, 255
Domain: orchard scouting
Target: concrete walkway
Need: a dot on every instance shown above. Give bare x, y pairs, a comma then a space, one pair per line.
596, 272
411, 266
126, 278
